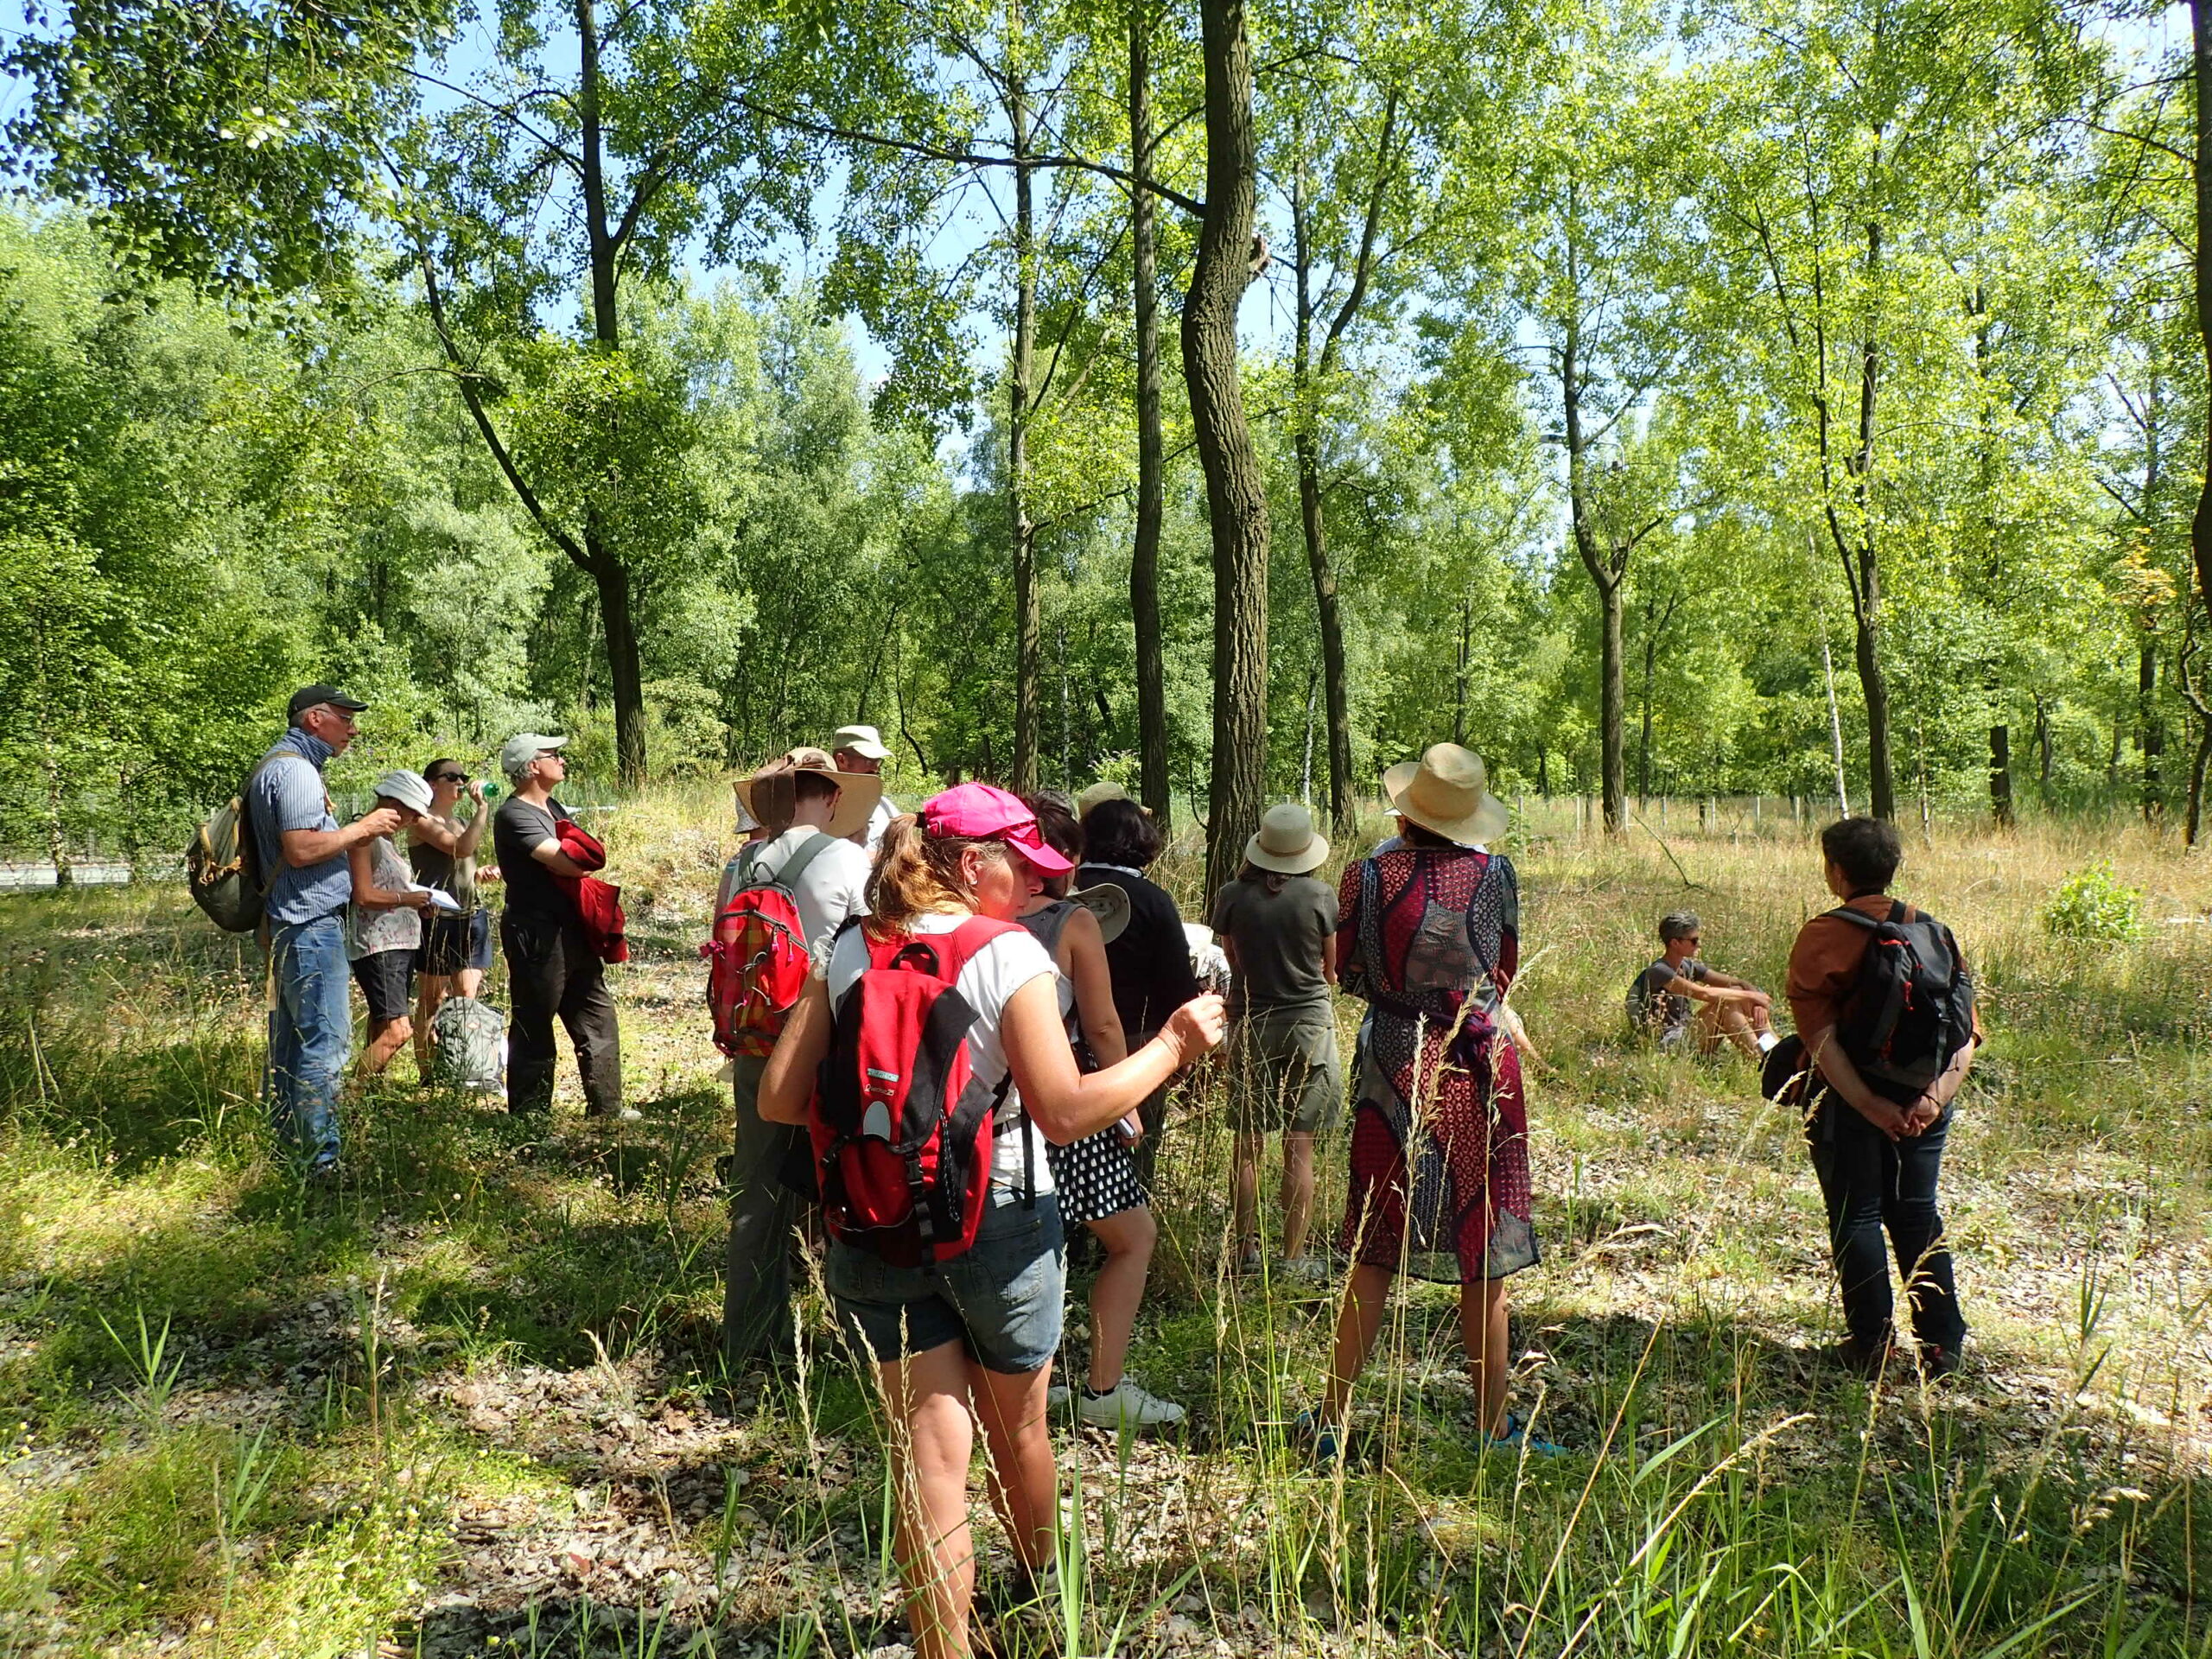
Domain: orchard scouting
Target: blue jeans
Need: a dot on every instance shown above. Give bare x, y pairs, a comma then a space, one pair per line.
310, 1035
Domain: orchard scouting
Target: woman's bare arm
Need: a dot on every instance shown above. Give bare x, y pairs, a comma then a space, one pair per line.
368, 895
1329, 958
1083, 951
787, 1085
1068, 1105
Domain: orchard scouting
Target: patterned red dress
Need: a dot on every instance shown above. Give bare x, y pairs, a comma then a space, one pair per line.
1439, 1143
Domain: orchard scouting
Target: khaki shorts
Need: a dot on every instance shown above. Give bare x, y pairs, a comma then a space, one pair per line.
1284, 1073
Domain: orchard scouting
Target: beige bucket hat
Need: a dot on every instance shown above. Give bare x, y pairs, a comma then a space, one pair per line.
1446, 790
768, 796
1098, 794
1110, 904
1287, 842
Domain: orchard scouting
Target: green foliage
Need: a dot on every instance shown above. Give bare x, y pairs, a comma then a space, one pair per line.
2094, 904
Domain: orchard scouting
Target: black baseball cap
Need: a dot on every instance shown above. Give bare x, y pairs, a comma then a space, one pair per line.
308, 696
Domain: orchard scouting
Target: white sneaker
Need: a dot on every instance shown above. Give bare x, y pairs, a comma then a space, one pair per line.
1056, 1397
1128, 1406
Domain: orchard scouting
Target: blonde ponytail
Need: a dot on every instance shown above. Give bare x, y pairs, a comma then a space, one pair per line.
917, 874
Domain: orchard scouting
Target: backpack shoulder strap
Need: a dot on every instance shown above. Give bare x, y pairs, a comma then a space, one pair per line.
1856, 917
962, 944
809, 850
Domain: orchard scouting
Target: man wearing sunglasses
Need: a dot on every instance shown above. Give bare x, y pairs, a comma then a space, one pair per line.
1678, 1001
310, 1018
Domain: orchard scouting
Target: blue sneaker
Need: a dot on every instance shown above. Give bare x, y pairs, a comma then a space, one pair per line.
1325, 1439
1518, 1437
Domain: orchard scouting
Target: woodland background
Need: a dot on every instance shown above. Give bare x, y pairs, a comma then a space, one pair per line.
1599, 380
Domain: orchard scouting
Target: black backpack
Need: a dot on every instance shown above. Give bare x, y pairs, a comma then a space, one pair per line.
1913, 1008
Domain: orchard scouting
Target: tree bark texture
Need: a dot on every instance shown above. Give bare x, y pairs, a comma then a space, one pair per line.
2000, 775
1236, 499
1152, 786
1028, 608
2150, 731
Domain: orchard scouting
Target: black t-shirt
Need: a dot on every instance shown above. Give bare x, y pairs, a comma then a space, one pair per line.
533, 892
1652, 1005
1150, 963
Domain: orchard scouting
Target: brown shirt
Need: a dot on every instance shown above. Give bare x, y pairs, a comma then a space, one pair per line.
1825, 962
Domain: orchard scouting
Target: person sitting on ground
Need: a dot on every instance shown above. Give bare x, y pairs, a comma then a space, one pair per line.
806, 810
385, 929
860, 751
1431, 939
1876, 1142
1151, 961
1278, 925
1659, 998
976, 1331
552, 970
1096, 1177
298, 836
441, 851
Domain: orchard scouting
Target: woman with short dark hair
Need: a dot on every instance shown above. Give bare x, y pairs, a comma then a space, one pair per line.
1150, 963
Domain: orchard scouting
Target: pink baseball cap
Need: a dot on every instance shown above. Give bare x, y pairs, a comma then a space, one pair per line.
985, 812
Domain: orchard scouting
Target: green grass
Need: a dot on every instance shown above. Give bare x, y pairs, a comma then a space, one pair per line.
468, 1404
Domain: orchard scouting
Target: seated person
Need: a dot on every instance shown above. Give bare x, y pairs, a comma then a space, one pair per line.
1659, 1000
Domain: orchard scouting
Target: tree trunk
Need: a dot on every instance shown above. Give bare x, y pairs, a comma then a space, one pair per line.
2199, 524
1344, 814
2150, 733
1862, 567
625, 680
1153, 786
1028, 609
1604, 569
2000, 775
1237, 499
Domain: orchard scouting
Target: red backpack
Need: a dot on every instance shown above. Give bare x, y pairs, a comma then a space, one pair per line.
902, 1128
758, 959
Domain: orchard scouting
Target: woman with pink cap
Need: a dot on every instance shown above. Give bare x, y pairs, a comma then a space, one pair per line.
979, 1331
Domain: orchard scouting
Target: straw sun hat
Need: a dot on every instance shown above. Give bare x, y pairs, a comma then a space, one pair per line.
1287, 842
768, 793
1446, 790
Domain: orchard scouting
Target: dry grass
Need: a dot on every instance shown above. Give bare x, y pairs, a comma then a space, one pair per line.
477, 1379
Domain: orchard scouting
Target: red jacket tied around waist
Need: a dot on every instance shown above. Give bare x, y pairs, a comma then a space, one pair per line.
599, 903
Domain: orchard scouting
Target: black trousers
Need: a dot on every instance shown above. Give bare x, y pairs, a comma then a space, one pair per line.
1873, 1185
551, 973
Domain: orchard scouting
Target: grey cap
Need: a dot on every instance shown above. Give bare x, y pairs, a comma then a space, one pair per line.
525, 747
409, 789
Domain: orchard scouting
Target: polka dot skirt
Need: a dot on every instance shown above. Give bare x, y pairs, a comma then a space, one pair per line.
1096, 1178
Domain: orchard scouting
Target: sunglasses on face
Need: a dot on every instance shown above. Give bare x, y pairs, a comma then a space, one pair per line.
450, 778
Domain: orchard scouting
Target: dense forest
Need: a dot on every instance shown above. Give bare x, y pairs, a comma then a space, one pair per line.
1229, 401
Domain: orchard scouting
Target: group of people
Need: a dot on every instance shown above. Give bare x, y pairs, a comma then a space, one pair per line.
343, 902
1076, 1003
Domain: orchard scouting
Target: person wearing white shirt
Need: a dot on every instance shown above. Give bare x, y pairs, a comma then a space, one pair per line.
808, 809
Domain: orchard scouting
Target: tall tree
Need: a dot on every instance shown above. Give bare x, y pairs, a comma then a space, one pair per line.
1153, 787
1236, 496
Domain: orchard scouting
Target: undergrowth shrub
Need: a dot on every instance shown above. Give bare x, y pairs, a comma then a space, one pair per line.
2094, 904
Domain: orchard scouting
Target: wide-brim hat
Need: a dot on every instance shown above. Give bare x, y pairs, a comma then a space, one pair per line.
770, 794
409, 789
1110, 904
863, 741
1287, 842
1446, 790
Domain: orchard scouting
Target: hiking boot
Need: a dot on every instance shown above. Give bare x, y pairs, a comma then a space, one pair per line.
1247, 1266
1866, 1359
1126, 1405
1938, 1363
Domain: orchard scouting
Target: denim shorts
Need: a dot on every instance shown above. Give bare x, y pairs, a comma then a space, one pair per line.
1001, 1301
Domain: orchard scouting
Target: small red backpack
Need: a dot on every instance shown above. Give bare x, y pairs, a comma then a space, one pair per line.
758, 959
901, 1127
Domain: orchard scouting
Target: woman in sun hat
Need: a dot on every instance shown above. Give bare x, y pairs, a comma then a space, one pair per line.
978, 1330
1430, 938
1277, 924
1096, 1177
384, 928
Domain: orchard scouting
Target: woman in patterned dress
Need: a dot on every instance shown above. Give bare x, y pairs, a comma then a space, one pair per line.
1430, 937
1096, 1177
